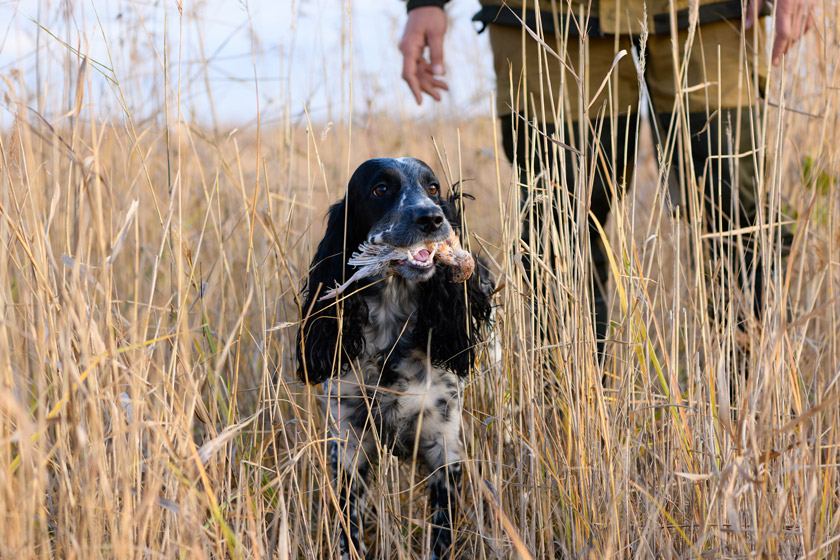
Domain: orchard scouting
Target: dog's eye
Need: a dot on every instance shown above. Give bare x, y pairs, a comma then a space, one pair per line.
380, 190
433, 189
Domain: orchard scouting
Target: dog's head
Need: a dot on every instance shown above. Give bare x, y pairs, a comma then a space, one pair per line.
397, 203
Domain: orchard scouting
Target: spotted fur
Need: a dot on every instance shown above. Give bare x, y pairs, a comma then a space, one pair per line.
391, 360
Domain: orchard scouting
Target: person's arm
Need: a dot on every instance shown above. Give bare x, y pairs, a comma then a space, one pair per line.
425, 27
793, 19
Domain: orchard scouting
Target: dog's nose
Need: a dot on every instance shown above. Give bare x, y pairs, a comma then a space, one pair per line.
428, 219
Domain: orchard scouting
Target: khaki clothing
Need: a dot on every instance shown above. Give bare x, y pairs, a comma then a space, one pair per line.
721, 72
607, 17
715, 76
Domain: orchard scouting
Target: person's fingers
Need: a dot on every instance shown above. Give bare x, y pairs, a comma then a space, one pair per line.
411, 51
440, 84
809, 18
798, 26
433, 88
435, 42
423, 74
793, 19
752, 8
780, 43
433, 93
428, 82
784, 23
419, 75
414, 86
779, 48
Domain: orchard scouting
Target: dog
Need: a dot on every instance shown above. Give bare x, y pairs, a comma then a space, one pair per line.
391, 354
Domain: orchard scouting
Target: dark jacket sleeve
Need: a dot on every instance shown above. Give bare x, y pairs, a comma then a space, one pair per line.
411, 4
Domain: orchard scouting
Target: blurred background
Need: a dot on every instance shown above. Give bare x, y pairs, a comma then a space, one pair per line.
312, 54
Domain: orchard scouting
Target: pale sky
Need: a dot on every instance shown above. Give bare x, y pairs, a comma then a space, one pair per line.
303, 51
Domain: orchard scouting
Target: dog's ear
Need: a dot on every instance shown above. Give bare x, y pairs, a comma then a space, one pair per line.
320, 327
453, 316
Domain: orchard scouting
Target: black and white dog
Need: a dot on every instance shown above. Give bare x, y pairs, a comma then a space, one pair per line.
392, 353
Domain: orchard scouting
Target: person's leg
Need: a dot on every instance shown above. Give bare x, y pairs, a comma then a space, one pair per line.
728, 204
715, 152
517, 146
525, 71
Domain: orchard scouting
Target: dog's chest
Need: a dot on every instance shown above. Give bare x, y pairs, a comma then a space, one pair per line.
391, 316
400, 385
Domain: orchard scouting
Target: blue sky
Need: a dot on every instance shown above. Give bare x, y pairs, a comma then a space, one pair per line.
305, 52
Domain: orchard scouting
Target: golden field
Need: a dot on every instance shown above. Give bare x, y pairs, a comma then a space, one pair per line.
150, 271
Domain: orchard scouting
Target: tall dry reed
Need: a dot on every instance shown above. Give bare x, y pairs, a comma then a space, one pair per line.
149, 276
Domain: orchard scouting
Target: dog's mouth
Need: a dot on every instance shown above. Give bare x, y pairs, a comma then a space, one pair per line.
419, 258
417, 263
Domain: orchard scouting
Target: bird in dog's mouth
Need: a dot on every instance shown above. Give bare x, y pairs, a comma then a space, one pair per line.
375, 258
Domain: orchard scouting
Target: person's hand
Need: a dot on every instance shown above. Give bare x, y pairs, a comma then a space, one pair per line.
793, 19
425, 27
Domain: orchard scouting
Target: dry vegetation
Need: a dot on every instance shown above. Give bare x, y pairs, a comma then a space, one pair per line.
149, 272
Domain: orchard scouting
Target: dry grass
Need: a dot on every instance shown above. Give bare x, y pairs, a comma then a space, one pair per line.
149, 272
